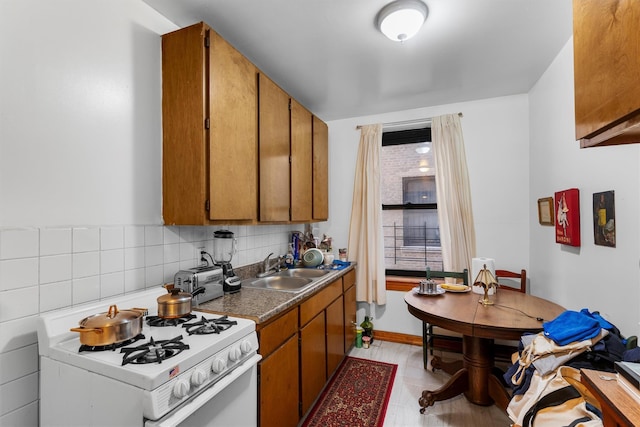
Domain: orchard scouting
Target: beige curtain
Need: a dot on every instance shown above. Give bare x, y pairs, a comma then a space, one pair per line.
366, 243
455, 213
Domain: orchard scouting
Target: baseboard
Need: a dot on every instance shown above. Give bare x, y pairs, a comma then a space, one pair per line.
449, 344
397, 337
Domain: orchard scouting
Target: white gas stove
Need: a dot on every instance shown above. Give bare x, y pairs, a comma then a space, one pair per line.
130, 383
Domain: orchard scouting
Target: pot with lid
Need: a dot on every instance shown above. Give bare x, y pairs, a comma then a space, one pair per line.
111, 327
175, 303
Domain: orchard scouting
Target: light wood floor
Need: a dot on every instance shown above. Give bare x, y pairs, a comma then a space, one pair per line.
411, 379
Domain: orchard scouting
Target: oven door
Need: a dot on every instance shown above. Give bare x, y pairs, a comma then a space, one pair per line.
232, 401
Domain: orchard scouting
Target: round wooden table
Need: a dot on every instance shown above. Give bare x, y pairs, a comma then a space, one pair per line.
512, 314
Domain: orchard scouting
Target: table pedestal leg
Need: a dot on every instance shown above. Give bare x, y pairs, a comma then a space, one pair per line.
475, 378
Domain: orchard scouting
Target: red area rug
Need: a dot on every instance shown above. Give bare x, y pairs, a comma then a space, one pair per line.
357, 395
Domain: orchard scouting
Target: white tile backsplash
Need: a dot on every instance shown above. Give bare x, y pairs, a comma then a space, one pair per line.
111, 261
23, 361
51, 268
55, 268
55, 241
133, 258
55, 295
133, 236
19, 243
18, 273
85, 289
86, 239
18, 333
111, 284
111, 238
153, 235
134, 280
17, 303
86, 264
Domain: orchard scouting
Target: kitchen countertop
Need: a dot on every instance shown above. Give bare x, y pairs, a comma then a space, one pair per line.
260, 305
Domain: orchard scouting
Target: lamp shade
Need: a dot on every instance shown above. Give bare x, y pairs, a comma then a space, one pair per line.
402, 19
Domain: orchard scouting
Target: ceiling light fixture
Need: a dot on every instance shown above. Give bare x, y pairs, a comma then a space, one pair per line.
401, 19
424, 149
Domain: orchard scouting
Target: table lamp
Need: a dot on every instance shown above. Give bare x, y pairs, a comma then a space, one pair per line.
486, 280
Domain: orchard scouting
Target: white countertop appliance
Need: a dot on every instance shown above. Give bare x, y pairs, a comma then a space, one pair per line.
200, 369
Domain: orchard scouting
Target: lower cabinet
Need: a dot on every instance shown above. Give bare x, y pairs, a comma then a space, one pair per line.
313, 356
301, 349
278, 372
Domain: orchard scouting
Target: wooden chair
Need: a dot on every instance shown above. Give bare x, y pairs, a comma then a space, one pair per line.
522, 276
428, 337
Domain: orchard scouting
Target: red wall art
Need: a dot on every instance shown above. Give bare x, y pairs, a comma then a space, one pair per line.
567, 204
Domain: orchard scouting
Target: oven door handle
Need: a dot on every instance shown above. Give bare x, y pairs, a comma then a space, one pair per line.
198, 401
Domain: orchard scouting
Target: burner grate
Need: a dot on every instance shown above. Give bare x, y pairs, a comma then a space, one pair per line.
209, 326
111, 347
153, 351
166, 321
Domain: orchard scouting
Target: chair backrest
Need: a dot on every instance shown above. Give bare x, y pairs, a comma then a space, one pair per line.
522, 276
464, 275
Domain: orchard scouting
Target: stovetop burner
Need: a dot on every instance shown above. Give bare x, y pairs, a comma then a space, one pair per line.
153, 351
111, 347
209, 326
164, 321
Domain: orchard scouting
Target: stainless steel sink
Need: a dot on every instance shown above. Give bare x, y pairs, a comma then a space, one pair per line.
293, 280
302, 272
291, 284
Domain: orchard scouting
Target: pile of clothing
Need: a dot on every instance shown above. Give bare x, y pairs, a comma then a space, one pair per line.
545, 375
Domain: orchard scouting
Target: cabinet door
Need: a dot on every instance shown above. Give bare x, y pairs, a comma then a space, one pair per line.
301, 163
184, 154
320, 169
335, 335
349, 318
274, 151
313, 360
606, 44
233, 133
278, 387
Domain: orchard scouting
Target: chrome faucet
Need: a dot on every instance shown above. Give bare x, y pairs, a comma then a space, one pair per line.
265, 263
267, 268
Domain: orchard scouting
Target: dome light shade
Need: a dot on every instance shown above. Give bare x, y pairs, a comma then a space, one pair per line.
402, 19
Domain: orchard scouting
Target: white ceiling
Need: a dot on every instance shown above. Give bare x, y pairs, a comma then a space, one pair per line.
329, 56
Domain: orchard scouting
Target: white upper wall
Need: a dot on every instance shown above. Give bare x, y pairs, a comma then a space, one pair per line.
496, 135
599, 278
80, 113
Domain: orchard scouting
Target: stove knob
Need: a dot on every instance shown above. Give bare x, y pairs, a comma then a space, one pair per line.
198, 377
245, 346
181, 388
235, 353
218, 365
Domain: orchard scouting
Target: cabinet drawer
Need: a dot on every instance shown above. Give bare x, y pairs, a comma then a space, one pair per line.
348, 280
310, 308
276, 332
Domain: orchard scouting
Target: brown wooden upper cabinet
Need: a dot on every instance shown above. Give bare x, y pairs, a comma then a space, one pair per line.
320, 170
606, 44
210, 129
301, 163
273, 117
236, 147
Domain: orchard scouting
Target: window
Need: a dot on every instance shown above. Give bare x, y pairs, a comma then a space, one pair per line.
410, 211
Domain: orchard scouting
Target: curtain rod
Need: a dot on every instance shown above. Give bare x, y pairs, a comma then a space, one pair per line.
407, 122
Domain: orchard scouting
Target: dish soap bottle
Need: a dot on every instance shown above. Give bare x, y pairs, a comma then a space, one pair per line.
367, 327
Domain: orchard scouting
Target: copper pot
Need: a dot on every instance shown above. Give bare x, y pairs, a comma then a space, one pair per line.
111, 327
174, 304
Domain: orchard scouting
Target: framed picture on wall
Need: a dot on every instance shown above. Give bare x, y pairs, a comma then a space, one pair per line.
545, 211
567, 203
604, 223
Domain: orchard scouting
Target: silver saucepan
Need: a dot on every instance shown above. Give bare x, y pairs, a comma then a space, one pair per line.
111, 327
